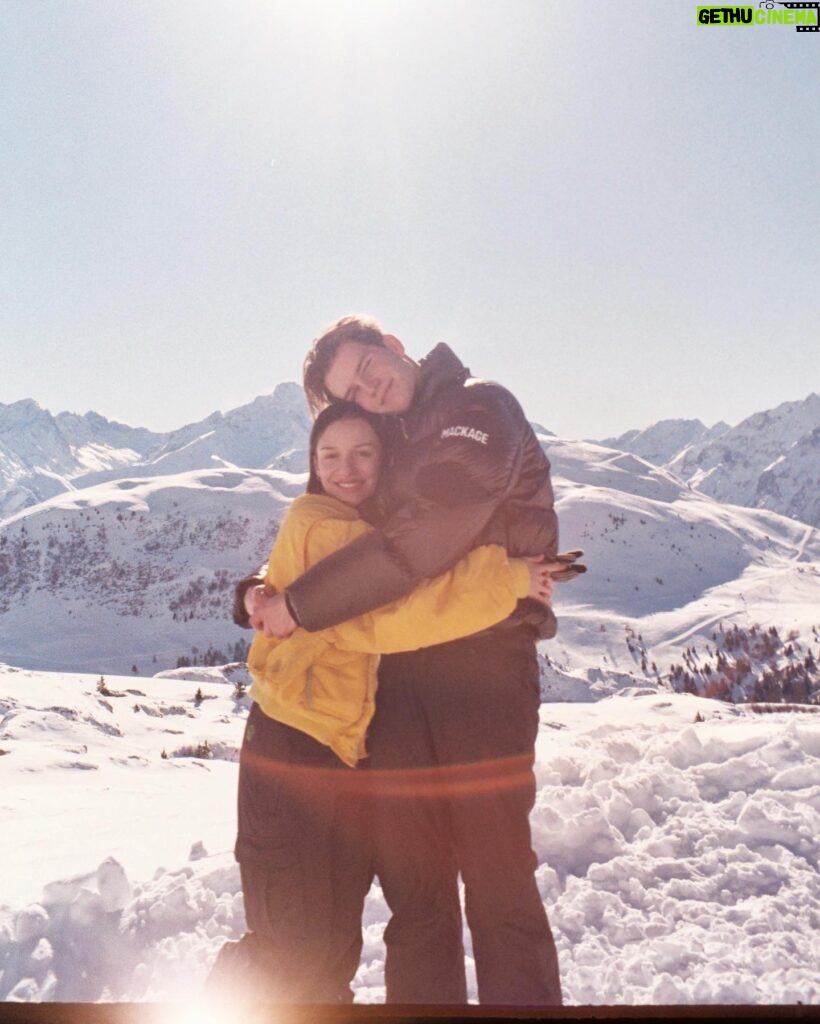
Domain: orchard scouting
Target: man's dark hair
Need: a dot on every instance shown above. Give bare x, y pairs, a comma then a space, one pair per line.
358, 327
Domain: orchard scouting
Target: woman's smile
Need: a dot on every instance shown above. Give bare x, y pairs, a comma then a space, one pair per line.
348, 460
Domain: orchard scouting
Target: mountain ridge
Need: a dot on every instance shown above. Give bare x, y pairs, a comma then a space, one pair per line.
139, 571
769, 460
42, 455
130, 558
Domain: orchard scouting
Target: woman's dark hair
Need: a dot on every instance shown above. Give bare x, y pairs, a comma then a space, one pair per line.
383, 428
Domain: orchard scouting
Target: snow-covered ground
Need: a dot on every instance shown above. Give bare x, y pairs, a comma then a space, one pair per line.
677, 837
136, 574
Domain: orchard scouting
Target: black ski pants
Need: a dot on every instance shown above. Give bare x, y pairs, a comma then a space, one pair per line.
451, 762
304, 847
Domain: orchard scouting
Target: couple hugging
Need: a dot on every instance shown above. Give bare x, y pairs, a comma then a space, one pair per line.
395, 689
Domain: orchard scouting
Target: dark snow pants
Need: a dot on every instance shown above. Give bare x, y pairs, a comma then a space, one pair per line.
451, 759
305, 856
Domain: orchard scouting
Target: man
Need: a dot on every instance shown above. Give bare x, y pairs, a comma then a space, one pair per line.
453, 739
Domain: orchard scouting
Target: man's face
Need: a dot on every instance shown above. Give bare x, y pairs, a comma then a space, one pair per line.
378, 378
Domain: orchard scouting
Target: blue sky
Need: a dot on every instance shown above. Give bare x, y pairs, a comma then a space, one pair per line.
607, 207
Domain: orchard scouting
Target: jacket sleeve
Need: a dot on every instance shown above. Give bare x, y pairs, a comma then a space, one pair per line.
466, 474
479, 591
240, 616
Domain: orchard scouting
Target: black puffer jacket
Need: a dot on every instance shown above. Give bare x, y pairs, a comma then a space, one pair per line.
470, 471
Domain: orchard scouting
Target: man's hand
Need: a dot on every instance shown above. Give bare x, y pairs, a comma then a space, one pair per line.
268, 612
254, 598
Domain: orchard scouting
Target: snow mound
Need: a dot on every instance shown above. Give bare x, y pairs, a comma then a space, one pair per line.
677, 840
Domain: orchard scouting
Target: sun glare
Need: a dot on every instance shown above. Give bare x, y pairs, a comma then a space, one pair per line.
342, 20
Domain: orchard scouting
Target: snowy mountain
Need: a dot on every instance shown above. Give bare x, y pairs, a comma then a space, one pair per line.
668, 565
676, 836
662, 441
40, 454
770, 460
677, 844
254, 436
791, 483
137, 573
43, 455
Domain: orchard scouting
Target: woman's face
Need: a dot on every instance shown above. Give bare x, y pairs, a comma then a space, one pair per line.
348, 459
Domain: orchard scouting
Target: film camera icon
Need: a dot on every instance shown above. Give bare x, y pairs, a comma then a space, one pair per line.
812, 5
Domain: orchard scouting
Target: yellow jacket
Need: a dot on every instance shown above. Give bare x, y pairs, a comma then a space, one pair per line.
324, 683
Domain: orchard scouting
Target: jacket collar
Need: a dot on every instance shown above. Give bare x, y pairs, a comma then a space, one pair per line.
439, 368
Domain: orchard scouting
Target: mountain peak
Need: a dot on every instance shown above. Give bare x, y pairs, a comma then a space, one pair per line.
19, 415
769, 460
271, 431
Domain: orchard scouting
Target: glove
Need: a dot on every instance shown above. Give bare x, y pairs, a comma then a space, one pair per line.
571, 566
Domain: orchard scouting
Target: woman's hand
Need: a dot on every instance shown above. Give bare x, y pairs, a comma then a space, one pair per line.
543, 574
540, 578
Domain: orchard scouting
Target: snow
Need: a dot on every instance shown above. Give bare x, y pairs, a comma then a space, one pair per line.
676, 836
42, 455
661, 441
770, 460
677, 841
120, 553
663, 560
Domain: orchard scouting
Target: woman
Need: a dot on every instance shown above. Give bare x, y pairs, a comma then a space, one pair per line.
303, 841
